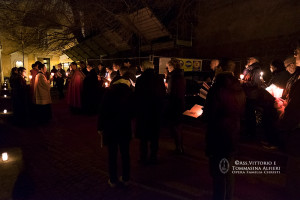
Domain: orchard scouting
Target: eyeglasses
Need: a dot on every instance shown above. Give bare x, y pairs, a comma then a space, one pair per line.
288, 65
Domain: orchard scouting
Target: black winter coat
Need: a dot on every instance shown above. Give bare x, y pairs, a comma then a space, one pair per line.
149, 95
176, 92
280, 78
116, 112
223, 110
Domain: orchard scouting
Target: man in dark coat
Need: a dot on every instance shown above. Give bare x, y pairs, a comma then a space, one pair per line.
251, 85
149, 92
294, 70
89, 93
20, 95
223, 110
60, 79
176, 106
279, 75
289, 124
114, 124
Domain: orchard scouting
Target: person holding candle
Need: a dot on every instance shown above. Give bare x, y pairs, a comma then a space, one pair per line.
13, 74
215, 69
74, 97
42, 95
289, 125
176, 104
149, 92
20, 95
294, 70
279, 75
224, 106
252, 86
60, 79
114, 126
89, 92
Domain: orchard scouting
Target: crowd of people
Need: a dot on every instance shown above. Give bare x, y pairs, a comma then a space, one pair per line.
231, 100
131, 100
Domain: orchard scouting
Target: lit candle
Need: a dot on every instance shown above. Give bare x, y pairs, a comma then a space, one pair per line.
106, 84
52, 74
4, 84
242, 76
5, 96
30, 76
165, 80
4, 88
4, 156
261, 75
67, 74
4, 111
109, 79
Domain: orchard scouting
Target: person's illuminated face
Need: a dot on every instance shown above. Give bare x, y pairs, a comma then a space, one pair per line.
291, 68
297, 56
272, 68
89, 68
24, 73
214, 64
170, 67
116, 67
73, 67
251, 61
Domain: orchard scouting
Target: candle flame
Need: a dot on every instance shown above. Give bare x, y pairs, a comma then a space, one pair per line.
4, 156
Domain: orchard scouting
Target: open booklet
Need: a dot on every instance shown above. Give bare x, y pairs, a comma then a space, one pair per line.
195, 111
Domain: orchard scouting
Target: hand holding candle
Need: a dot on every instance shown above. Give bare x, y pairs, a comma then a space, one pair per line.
242, 76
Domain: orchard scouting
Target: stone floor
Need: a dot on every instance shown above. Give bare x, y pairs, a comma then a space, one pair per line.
64, 160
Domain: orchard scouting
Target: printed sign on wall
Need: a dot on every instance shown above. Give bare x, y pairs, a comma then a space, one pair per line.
185, 63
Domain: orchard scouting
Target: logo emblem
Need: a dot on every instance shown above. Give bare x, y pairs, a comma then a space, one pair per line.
224, 166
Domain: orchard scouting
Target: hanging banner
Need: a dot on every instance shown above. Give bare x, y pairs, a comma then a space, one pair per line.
187, 64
